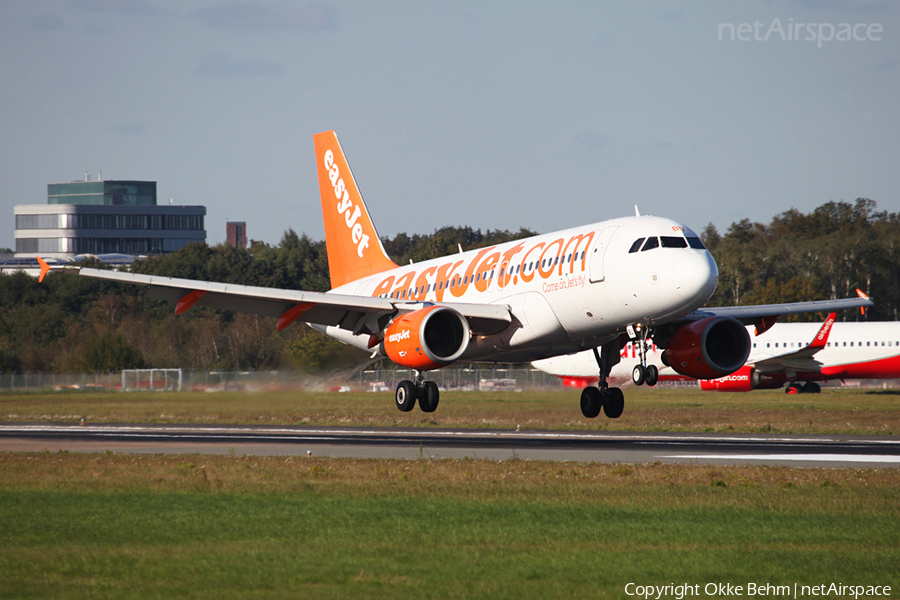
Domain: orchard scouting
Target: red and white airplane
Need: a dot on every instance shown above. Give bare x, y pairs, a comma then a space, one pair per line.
549, 295
790, 355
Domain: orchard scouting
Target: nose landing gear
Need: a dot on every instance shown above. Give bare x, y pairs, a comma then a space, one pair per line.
644, 373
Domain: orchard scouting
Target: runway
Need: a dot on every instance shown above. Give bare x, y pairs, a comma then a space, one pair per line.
414, 443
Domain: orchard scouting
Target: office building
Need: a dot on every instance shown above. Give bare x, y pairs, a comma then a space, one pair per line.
104, 217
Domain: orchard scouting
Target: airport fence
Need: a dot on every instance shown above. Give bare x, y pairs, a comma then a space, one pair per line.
501, 377
491, 378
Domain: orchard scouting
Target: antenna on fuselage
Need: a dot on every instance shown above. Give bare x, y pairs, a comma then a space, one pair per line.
458, 245
637, 213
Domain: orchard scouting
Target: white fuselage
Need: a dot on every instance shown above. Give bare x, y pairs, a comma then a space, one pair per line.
567, 291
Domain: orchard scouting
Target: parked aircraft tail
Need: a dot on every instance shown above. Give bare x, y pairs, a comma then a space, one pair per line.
354, 248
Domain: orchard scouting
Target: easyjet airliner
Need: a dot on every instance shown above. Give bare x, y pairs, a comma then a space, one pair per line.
552, 294
793, 356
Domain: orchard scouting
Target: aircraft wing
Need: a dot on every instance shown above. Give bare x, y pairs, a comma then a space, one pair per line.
358, 314
802, 359
763, 316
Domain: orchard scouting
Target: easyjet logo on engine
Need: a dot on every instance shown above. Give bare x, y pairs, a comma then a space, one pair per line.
396, 337
345, 207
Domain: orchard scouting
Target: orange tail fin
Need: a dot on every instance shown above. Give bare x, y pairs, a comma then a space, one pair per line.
354, 248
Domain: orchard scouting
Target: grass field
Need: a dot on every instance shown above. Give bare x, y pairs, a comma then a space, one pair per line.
125, 526
833, 411
144, 526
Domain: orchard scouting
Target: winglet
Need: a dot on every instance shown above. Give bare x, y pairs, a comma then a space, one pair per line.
353, 246
862, 294
45, 268
822, 337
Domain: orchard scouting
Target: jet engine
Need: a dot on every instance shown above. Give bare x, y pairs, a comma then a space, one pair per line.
427, 339
709, 348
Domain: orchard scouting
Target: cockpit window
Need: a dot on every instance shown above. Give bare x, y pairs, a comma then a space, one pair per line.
672, 241
636, 245
694, 242
651, 243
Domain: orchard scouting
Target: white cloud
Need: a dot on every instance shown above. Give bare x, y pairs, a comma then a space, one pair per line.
253, 16
122, 7
223, 64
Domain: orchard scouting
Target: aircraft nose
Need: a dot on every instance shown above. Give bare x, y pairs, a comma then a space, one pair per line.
696, 277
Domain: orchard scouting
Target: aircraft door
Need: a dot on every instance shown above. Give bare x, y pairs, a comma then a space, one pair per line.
597, 252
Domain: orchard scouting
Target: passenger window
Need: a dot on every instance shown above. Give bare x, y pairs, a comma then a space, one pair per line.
651, 244
636, 245
695, 243
672, 241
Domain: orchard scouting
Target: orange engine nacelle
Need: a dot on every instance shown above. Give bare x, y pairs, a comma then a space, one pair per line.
426, 339
709, 348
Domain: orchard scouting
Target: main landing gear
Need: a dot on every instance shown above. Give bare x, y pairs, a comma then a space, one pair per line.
426, 392
810, 387
610, 399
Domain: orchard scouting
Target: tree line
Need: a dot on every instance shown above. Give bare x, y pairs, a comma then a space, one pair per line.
74, 324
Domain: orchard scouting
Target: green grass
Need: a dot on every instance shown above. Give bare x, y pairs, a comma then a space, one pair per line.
123, 526
843, 411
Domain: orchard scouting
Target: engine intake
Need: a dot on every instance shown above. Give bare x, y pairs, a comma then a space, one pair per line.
428, 338
709, 348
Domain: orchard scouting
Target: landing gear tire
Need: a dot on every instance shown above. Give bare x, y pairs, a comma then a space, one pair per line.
405, 395
430, 396
811, 387
591, 402
638, 375
652, 377
614, 403
793, 389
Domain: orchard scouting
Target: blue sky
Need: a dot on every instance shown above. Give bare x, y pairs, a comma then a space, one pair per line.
494, 115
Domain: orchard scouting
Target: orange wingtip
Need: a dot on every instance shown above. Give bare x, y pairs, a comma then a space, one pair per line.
45, 268
862, 294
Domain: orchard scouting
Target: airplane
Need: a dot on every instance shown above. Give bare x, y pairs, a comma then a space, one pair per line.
793, 356
544, 296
